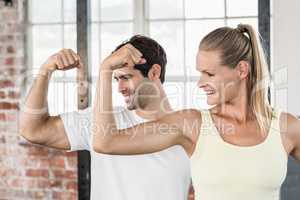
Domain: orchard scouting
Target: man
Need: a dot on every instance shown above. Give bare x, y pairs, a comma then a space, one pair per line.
163, 175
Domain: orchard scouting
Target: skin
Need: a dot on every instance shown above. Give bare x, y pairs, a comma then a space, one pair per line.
35, 123
131, 140
37, 126
226, 89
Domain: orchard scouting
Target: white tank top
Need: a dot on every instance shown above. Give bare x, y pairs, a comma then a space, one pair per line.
223, 171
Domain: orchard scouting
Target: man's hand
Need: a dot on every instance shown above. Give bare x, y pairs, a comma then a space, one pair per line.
126, 56
65, 59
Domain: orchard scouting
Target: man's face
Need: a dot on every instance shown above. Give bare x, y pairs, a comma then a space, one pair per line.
131, 86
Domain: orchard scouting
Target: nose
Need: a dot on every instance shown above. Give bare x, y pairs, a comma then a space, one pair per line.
201, 83
121, 86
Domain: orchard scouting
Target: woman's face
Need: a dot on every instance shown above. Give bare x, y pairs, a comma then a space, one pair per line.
221, 83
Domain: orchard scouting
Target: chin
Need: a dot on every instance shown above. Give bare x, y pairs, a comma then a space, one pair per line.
131, 106
212, 101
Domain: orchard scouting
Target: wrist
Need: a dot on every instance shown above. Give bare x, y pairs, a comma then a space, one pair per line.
44, 71
105, 68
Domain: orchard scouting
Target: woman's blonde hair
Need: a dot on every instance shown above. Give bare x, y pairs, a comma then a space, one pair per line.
235, 45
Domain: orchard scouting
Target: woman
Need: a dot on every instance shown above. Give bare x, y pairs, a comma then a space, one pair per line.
238, 148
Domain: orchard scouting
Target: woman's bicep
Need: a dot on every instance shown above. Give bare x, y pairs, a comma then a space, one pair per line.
143, 138
173, 129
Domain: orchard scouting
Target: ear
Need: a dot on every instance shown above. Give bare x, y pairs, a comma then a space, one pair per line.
154, 72
243, 68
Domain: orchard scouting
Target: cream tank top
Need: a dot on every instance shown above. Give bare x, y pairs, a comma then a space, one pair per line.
223, 171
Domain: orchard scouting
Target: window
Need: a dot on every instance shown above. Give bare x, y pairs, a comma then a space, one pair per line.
112, 22
178, 25
51, 27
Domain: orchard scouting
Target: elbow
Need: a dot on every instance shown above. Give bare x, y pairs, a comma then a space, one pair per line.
29, 134
30, 129
104, 149
24, 129
102, 145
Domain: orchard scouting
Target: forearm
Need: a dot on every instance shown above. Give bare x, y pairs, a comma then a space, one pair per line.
143, 138
35, 108
103, 121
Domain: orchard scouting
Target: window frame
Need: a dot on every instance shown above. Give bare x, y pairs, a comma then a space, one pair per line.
141, 25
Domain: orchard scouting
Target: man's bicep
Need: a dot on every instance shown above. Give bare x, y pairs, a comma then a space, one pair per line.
54, 134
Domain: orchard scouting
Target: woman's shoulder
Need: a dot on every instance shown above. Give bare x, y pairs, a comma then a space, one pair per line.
289, 123
189, 113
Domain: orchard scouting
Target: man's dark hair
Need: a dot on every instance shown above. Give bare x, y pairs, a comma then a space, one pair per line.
152, 52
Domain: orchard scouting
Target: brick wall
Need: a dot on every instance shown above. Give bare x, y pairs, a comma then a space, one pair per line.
26, 171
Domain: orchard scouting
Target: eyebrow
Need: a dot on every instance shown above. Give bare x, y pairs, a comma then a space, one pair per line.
123, 76
205, 70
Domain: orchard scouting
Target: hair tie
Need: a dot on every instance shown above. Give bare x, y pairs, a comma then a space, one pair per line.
241, 28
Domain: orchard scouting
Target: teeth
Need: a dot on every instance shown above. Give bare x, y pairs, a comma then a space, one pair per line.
210, 92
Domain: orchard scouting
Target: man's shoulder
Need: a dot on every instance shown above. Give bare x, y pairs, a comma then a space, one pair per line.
116, 110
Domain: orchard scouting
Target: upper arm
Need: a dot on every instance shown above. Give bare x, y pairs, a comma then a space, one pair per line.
67, 131
51, 133
177, 128
290, 126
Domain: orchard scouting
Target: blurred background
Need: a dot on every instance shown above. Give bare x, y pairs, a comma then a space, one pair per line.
178, 25
32, 30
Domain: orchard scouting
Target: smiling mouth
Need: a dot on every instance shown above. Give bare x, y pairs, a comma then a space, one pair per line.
209, 92
128, 98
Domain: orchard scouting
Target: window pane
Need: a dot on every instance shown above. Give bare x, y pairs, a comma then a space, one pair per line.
56, 98
196, 97
281, 99
174, 91
116, 10
45, 11
95, 49
70, 92
70, 10
170, 35
70, 36
113, 34
234, 22
95, 7
195, 31
70, 43
204, 8
46, 40
165, 9
242, 8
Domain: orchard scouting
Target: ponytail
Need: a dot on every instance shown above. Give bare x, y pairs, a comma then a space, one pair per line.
242, 43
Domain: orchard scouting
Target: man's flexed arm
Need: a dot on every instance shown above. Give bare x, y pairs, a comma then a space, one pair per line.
35, 123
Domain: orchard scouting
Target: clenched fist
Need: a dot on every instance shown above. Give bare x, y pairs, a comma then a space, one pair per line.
65, 59
126, 56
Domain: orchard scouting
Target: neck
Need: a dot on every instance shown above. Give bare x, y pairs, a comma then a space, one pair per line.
236, 109
156, 108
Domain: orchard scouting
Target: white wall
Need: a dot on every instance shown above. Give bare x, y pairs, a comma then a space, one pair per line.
286, 54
